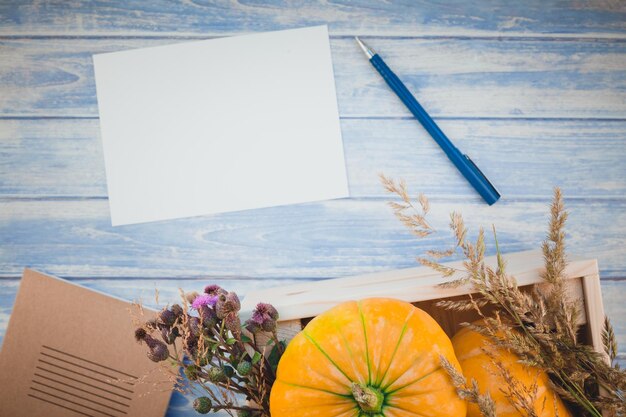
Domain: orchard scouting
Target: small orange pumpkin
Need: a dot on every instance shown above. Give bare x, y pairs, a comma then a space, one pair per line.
473, 351
376, 357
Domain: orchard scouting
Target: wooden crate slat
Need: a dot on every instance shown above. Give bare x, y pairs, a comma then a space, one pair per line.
412, 285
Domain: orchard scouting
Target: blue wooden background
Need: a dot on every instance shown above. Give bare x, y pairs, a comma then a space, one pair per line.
535, 91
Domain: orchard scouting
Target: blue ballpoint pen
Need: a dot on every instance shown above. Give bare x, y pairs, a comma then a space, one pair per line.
463, 162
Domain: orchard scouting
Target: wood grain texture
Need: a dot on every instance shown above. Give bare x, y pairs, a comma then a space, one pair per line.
451, 77
63, 157
74, 238
396, 18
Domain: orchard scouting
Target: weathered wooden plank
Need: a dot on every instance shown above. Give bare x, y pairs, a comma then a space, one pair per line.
428, 18
52, 157
451, 77
327, 239
63, 157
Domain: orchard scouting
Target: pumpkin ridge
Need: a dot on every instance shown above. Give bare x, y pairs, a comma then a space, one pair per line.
350, 354
403, 409
395, 350
367, 349
314, 406
296, 385
346, 396
323, 352
331, 378
415, 381
417, 360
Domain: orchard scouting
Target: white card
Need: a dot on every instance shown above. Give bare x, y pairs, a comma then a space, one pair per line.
220, 125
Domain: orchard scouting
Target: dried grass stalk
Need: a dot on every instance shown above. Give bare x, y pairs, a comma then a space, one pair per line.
540, 326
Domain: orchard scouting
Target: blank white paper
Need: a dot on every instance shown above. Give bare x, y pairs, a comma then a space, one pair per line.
220, 125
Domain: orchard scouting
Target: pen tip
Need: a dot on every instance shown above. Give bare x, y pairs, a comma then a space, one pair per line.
369, 52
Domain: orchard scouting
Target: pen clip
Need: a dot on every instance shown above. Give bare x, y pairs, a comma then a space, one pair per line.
481, 174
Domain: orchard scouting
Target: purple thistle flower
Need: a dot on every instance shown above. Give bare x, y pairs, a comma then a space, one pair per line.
214, 290
265, 316
204, 300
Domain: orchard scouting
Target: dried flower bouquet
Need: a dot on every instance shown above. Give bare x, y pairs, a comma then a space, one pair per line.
221, 357
228, 360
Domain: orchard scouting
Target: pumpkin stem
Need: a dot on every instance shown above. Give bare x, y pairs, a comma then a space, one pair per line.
369, 399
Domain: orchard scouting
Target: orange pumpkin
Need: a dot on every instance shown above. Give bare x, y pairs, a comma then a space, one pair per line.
473, 351
375, 357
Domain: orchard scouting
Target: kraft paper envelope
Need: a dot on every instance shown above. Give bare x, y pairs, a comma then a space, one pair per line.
70, 352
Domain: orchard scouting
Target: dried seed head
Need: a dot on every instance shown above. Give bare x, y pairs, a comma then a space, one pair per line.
233, 323
177, 310
208, 316
227, 303
193, 326
217, 374
202, 405
140, 334
158, 350
166, 317
244, 368
214, 290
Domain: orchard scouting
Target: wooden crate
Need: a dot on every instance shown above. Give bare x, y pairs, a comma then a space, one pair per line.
298, 304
